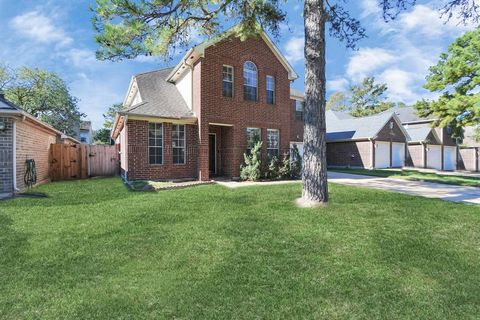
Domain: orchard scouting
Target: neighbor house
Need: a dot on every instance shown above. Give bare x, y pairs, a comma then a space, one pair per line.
22, 138
197, 119
428, 147
85, 132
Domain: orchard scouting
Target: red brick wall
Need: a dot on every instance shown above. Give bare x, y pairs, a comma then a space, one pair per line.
340, 154
138, 163
296, 126
242, 114
33, 142
468, 159
414, 157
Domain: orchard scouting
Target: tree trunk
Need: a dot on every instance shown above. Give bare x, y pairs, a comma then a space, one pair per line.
315, 190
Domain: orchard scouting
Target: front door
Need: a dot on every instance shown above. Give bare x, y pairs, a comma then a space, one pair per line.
212, 154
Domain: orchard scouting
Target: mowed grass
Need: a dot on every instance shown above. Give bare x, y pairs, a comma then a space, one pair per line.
415, 175
94, 250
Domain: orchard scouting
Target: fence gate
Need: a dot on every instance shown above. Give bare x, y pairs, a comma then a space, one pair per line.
82, 161
103, 160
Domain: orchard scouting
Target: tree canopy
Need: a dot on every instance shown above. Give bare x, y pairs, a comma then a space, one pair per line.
337, 102
109, 116
456, 77
368, 98
44, 94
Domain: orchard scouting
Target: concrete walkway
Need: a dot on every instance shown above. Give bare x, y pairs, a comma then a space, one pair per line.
419, 188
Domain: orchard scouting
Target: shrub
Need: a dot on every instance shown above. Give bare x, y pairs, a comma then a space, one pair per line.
250, 170
296, 163
273, 169
284, 170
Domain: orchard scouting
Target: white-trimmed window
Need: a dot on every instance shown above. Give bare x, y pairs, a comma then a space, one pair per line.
250, 81
299, 106
155, 143
227, 83
253, 136
178, 143
273, 143
270, 89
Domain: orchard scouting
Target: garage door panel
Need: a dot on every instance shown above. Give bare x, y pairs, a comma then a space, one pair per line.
382, 154
449, 158
434, 157
398, 155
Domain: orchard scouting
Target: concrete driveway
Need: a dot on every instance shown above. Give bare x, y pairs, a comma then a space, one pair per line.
419, 188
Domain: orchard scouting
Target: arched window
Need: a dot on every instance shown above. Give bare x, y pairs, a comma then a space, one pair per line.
250, 81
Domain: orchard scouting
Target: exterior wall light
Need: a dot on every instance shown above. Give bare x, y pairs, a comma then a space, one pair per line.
3, 126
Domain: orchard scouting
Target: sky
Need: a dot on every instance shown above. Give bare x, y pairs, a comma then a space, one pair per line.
57, 35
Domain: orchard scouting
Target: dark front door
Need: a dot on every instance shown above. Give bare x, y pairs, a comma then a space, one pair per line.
212, 153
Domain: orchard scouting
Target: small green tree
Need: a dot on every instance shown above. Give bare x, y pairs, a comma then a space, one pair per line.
337, 102
102, 136
284, 169
273, 169
109, 116
296, 163
368, 98
250, 170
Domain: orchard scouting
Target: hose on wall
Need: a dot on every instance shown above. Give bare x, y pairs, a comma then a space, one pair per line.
30, 177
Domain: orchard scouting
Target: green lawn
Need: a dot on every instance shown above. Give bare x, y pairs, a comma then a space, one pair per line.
415, 176
94, 250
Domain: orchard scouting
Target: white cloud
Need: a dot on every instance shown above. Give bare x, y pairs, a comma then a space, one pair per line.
368, 8
294, 49
367, 60
82, 58
39, 28
338, 84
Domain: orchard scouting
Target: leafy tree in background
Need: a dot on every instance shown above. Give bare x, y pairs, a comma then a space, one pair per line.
44, 95
109, 117
456, 77
128, 28
337, 102
368, 98
7, 75
102, 136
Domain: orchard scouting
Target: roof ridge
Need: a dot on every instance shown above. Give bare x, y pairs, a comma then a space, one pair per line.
152, 71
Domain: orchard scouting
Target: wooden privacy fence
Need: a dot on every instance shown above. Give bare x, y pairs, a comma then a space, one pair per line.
82, 161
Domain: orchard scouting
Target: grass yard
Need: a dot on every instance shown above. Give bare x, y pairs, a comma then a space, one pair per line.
94, 250
415, 176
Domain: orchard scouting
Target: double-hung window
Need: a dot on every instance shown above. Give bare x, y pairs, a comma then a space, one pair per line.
227, 83
253, 136
178, 143
250, 81
299, 106
270, 89
273, 143
155, 143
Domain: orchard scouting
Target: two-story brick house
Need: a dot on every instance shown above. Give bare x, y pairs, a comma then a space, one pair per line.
197, 119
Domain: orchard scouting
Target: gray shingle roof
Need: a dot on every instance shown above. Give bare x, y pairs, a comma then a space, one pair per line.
407, 114
419, 134
6, 105
160, 98
346, 127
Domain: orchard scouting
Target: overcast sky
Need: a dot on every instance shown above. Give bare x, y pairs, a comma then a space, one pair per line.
57, 35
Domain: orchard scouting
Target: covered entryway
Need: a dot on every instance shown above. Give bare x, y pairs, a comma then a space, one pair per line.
449, 158
212, 154
398, 155
382, 154
434, 157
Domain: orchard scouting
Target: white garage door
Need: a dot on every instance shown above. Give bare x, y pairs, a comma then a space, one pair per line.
449, 158
434, 157
382, 154
398, 154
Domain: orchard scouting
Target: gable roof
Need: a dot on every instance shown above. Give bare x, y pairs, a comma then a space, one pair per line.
422, 134
160, 98
198, 51
341, 126
408, 115
7, 105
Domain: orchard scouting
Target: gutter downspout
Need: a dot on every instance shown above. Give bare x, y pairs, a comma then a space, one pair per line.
14, 156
